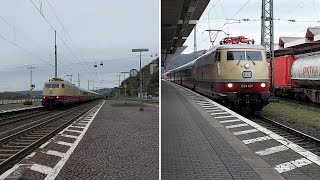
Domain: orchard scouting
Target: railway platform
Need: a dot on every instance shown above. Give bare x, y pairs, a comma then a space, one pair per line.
16, 107
109, 142
201, 139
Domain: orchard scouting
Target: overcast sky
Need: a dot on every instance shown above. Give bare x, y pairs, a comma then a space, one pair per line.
93, 31
219, 10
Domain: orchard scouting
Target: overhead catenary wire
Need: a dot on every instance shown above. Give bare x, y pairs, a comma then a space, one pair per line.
277, 19
63, 27
19, 46
72, 64
236, 13
57, 34
227, 20
209, 16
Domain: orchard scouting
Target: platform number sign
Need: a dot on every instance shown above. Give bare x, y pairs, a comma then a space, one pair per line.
247, 74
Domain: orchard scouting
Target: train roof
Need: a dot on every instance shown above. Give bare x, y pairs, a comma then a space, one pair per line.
86, 90
239, 46
59, 80
219, 47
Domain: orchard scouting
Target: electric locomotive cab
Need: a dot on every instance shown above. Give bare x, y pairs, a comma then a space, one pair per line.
57, 92
246, 77
52, 93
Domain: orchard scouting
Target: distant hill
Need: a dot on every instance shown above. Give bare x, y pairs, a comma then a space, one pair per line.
104, 91
12, 95
183, 59
150, 81
34, 93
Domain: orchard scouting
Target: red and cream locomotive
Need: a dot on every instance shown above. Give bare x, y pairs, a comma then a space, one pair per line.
57, 93
235, 74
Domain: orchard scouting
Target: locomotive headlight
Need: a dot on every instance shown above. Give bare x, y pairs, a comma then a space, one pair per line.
57, 97
263, 85
246, 66
230, 85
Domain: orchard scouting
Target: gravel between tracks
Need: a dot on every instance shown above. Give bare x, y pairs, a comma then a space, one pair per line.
299, 125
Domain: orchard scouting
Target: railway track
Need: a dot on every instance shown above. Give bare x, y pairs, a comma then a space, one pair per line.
22, 116
306, 141
16, 146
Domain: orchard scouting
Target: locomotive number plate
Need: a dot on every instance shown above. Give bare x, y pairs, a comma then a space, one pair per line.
247, 74
246, 86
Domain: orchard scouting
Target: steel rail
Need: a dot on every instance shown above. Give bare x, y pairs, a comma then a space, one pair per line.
289, 128
304, 140
21, 117
11, 160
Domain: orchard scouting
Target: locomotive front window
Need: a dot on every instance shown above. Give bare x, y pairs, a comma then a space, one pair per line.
235, 55
254, 55
52, 86
55, 85
244, 55
48, 85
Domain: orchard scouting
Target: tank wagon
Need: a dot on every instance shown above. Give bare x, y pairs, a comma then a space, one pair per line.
298, 77
235, 74
59, 93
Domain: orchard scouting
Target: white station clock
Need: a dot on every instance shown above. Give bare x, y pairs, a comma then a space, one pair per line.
133, 72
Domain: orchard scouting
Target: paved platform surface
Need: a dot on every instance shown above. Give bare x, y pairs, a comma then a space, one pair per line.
195, 146
108, 143
8, 107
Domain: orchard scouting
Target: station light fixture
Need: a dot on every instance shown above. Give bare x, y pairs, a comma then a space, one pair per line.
140, 50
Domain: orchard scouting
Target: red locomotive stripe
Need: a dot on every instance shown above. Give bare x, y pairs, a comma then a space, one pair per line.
67, 97
240, 87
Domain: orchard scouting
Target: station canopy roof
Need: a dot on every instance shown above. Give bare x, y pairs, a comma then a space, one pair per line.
178, 18
299, 45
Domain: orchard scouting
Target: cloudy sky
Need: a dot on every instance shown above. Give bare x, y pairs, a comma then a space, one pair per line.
305, 12
88, 32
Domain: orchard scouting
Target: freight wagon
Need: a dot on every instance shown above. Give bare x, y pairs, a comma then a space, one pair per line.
298, 77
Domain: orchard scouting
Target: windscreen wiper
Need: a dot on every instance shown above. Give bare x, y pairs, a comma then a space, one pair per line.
239, 60
251, 60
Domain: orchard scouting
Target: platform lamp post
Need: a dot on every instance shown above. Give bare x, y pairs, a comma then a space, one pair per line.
140, 50
125, 87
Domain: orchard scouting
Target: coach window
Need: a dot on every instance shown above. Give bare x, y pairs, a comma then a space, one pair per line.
217, 56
